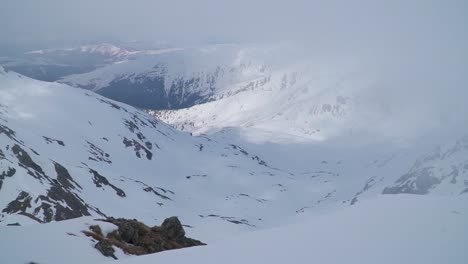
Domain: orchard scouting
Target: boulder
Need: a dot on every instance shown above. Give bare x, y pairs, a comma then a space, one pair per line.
173, 228
106, 249
136, 238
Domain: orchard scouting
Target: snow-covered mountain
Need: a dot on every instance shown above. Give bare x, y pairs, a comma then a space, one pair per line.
266, 88
178, 77
70, 153
60, 160
298, 102
262, 86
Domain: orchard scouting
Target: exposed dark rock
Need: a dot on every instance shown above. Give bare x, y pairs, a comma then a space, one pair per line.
196, 175
149, 145
240, 149
151, 189
96, 229
59, 203
27, 163
106, 249
260, 200
230, 219
173, 228
156, 190
64, 178
60, 197
100, 180
141, 136
20, 204
98, 153
8, 173
52, 140
131, 126
138, 120
260, 161
137, 147
416, 182
9, 133
136, 238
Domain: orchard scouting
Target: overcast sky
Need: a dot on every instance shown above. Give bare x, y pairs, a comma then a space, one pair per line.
345, 24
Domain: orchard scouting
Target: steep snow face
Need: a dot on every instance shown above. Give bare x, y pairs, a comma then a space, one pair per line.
68, 152
299, 103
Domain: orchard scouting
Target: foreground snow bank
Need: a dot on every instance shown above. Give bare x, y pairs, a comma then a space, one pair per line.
389, 229
55, 242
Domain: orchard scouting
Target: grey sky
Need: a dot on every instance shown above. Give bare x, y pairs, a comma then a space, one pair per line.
344, 24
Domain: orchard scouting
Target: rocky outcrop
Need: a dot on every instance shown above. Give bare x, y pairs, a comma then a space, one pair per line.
136, 238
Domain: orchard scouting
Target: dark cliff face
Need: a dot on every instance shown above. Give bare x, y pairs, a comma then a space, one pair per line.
150, 92
147, 93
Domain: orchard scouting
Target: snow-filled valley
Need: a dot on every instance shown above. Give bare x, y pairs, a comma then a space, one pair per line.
264, 160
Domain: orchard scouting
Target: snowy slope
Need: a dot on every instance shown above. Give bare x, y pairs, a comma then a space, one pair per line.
400, 229
60, 160
68, 153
